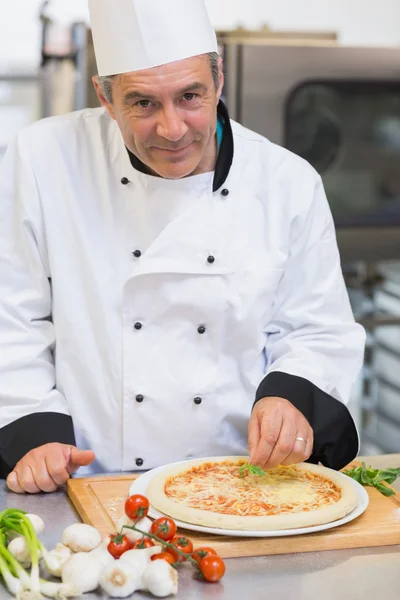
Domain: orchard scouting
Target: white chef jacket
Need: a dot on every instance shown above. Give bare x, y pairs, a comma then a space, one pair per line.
87, 327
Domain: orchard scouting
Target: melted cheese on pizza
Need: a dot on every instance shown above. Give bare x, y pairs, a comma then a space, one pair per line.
219, 488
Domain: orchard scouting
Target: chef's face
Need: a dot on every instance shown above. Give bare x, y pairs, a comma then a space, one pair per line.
168, 115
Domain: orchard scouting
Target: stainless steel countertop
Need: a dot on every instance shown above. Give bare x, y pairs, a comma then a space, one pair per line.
364, 574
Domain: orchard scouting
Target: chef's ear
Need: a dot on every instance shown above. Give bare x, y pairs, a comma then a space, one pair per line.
106, 102
221, 78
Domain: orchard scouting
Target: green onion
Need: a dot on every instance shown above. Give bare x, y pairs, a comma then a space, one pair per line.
14, 568
13, 584
14, 520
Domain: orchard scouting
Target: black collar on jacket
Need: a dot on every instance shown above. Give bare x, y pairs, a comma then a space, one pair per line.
225, 154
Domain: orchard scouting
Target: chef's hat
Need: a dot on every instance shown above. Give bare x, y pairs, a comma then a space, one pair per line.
130, 35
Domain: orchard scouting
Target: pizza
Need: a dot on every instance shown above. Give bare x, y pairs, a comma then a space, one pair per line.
216, 493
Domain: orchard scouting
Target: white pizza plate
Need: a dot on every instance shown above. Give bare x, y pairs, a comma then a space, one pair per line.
139, 486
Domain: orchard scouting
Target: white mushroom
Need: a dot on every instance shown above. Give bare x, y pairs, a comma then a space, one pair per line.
144, 525
120, 580
81, 572
160, 579
81, 537
139, 558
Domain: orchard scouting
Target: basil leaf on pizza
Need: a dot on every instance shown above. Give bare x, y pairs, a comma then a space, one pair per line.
248, 468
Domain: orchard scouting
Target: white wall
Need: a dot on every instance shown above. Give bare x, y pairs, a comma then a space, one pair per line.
375, 22
356, 21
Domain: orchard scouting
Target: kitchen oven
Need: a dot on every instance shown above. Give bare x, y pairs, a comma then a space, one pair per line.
339, 108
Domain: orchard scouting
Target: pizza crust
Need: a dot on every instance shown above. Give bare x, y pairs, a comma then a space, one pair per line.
325, 514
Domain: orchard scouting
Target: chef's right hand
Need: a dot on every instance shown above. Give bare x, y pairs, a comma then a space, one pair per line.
45, 468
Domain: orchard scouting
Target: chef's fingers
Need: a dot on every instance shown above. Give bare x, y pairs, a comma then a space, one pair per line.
270, 428
57, 467
305, 448
284, 445
13, 484
254, 434
302, 446
79, 458
26, 478
310, 444
41, 475
298, 453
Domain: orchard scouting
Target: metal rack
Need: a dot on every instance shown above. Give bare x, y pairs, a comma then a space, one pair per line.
375, 293
75, 53
35, 92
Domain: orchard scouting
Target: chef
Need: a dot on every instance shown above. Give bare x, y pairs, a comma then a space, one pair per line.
170, 281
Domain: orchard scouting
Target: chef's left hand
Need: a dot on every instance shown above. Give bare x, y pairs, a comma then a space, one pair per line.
273, 428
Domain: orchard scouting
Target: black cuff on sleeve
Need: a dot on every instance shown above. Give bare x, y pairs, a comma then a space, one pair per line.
32, 431
335, 434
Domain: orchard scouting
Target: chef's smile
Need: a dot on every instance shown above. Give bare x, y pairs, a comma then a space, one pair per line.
174, 153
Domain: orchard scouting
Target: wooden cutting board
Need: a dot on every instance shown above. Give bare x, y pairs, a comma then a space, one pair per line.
100, 502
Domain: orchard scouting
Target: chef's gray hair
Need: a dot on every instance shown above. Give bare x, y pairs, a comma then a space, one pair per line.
105, 82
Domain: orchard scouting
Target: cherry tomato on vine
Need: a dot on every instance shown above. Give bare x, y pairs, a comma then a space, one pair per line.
202, 552
164, 528
212, 567
183, 544
143, 543
164, 556
136, 507
118, 545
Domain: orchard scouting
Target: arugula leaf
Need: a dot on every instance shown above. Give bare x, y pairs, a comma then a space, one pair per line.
366, 479
388, 475
384, 489
251, 469
354, 473
374, 477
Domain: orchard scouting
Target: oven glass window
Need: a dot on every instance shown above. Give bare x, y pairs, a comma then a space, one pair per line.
350, 132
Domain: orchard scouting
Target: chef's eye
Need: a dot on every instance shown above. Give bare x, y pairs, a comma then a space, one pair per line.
189, 96
143, 103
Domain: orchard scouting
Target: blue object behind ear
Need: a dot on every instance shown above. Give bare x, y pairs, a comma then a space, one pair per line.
220, 131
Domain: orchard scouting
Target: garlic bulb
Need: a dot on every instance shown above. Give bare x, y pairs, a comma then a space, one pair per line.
120, 580
160, 579
55, 559
144, 525
81, 537
62, 552
81, 572
19, 548
139, 558
102, 555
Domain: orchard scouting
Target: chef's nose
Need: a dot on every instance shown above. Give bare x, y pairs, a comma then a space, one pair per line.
170, 125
